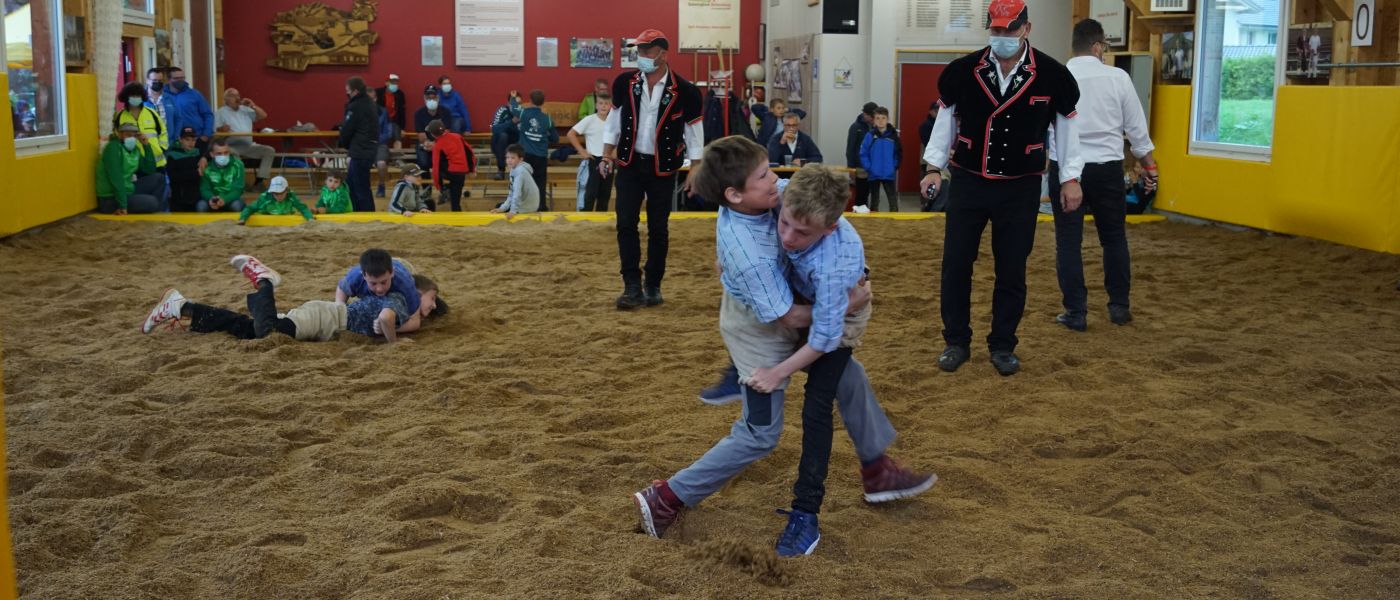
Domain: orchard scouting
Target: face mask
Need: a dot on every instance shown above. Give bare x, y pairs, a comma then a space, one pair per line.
133, 101
221, 160
447, 88
431, 104
130, 143
1005, 47
393, 88
180, 86
646, 65
157, 86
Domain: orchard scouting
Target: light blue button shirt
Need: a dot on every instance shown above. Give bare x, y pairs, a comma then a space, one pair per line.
754, 270
824, 273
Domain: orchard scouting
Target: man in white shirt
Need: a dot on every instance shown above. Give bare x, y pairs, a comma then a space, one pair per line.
1108, 109
658, 124
599, 188
237, 116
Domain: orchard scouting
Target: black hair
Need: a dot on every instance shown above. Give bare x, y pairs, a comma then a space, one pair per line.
516, 149
356, 84
221, 142
132, 89
537, 97
156, 70
1086, 33
444, 78
882, 111
375, 262
173, 69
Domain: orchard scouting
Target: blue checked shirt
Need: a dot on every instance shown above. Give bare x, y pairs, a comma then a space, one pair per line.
753, 268
825, 272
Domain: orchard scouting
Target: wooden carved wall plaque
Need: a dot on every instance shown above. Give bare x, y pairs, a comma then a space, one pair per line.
316, 34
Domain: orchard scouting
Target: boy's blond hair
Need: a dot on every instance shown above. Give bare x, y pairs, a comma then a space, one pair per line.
817, 193
727, 163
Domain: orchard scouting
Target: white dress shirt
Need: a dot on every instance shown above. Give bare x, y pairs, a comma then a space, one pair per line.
1108, 109
647, 114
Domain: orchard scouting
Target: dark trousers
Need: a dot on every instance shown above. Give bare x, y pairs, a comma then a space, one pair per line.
147, 196
599, 189
502, 136
540, 167
823, 377
1011, 206
1105, 197
862, 191
452, 186
184, 195
890, 193
423, 159
262, 305
361, 198
635, 183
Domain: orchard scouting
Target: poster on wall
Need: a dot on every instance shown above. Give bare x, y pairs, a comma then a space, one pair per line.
1309, 45
432, 51
546, 52
490, 33
590, 53
179, 42
1113, 15
628, 55
709, 24
1177, 47
942, 23
74, 42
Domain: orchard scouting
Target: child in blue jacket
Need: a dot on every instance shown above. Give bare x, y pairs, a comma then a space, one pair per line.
879, 156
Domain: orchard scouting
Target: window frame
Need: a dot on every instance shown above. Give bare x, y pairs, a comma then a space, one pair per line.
137, 17
1222, 149
58, 141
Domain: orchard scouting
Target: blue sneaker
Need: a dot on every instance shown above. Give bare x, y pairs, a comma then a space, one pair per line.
801, 535
726, 391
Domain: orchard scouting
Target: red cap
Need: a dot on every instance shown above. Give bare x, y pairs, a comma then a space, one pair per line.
651, 37
1010, 14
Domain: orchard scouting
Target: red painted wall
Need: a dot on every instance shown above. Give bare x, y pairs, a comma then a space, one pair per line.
318, 94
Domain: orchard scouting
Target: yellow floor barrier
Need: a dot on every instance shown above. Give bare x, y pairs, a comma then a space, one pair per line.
477, 219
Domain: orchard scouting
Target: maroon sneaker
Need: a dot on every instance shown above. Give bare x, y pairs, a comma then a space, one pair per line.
658, 514
885, 480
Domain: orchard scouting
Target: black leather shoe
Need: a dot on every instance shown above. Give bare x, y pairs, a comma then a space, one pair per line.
653, 296
1006, 363
952, 358
1120, 315
1074, 322
631, 297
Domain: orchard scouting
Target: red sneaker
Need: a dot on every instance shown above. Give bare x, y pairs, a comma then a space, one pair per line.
254, 270
658, 514
885, 480
166, 311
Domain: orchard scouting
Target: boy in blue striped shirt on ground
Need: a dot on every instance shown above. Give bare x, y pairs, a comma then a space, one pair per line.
759, 321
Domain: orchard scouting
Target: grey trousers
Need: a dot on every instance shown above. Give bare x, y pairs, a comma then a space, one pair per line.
261, 152
756, 434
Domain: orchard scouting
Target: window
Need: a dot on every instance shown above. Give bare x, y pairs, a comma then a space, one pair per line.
34, 60
1240, 67
138, 12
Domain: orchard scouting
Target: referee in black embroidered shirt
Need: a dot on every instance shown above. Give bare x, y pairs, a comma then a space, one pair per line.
997, 104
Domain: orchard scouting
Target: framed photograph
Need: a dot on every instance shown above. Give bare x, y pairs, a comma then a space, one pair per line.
1309, 45
432, 50
628, 56
592, 53
546, 52
74, 44
1177, 47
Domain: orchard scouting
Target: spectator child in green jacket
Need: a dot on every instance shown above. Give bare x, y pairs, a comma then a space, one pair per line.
335, 197
127, 179
277, 200
222, 186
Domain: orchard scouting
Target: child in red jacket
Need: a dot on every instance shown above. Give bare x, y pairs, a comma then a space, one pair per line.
453, 160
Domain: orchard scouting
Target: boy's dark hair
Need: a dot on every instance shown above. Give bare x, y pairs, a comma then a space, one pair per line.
375, 262
537, 97
516, 149
882, 111
1086, 33
869, 108
336, 174
817, 193
219, 142
727, 163
443, 78
425, 284
356, 84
